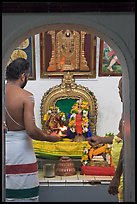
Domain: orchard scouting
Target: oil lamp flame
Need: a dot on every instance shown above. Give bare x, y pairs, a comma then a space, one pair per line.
62, 129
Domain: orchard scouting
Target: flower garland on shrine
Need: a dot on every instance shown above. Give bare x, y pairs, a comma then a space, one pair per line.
85, 121
85, 154
49, 112
89, 152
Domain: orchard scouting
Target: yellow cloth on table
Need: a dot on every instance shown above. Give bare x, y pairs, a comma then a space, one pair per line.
67, 147
115, 152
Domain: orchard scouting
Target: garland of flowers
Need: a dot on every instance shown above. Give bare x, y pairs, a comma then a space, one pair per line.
108, 151
85, 121
89, 152
85, 156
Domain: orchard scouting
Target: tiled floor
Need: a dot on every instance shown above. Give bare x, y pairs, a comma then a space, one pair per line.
75, 180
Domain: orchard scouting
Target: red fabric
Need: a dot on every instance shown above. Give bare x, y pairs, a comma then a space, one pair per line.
79, 124
98, 170
111, 53
21, 168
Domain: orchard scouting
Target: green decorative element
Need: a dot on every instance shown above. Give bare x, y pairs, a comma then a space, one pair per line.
65, 105
53, 157
109, 134
22, 193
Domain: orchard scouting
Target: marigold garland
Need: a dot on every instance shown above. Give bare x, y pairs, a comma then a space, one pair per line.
89, 152
85, 121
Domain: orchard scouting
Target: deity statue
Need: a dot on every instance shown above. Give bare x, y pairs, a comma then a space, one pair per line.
53, 122
79, 133
78, 125
54, 119
79, 121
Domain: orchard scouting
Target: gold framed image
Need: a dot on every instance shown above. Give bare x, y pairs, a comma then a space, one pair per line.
26, 50
109, 64
67, 50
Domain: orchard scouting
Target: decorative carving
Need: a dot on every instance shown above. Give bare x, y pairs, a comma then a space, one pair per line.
70, 90
83, 61
68, 82
67, 57
52, 63
67, 51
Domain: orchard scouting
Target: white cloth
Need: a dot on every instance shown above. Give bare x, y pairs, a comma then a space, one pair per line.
19, 151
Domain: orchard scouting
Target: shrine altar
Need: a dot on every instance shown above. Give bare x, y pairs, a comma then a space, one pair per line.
60, 107
66, 147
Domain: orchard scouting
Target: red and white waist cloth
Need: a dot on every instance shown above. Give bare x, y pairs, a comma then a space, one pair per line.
22, 183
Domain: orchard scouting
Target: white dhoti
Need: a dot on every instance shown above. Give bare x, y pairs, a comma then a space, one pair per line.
22, 183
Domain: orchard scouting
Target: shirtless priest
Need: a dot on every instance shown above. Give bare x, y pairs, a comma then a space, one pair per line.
22, 184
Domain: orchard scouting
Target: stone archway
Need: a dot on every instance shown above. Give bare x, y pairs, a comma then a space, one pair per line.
107, 29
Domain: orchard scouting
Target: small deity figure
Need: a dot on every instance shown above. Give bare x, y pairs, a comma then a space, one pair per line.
53, 123
78, 126
79, 134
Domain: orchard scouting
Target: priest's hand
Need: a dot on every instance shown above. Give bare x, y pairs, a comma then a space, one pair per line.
52, 137
95, 140
113, 186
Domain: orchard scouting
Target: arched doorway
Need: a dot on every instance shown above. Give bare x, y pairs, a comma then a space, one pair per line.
107, 30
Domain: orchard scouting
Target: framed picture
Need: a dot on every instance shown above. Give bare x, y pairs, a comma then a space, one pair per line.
109, 64
67, 51
26, 50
